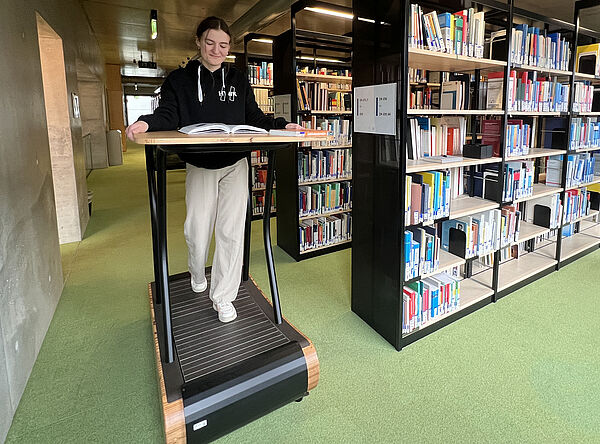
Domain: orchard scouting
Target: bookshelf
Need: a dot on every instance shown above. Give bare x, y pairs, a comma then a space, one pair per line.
257, 62
384, 280
310, 67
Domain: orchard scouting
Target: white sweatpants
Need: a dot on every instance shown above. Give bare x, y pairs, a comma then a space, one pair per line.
217, 199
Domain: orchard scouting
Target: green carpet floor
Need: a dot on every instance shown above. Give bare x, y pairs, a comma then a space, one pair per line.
526, 369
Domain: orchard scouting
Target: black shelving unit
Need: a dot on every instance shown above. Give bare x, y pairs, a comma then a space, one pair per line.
287, 50
380, 166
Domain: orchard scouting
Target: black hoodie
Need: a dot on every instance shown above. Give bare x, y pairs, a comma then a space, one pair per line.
179, 106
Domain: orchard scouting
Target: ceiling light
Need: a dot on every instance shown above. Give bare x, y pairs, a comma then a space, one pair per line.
154, 23
320, 59
263, 41
366, 20
230, 57
345, 15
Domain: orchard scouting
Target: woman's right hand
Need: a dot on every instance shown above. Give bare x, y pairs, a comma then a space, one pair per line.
135, 128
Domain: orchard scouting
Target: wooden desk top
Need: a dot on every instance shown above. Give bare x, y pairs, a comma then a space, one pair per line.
177, 138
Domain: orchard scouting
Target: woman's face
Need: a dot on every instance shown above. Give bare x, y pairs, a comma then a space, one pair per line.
214, 47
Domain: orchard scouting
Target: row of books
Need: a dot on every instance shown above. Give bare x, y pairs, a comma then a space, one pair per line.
555, 205
322, 198
518, 138
482, 232
509, 225
584, 97
264, 101
261, 74
324, 231
258, 203
323, 71
534, 46
339, 128
319, 97
580, 169
417, 75
259, 178
436, 136
258, 157
423, 302
324, 164
585, 132
461, 33
577, 204
518, 181
424, 98
527, 92
428, 195
421, 251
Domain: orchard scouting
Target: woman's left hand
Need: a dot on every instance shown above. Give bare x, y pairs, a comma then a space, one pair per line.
294, 126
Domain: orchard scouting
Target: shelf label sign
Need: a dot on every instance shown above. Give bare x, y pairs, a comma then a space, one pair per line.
375, 109
283, 106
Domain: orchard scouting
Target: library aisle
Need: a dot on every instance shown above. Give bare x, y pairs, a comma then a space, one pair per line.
526, 370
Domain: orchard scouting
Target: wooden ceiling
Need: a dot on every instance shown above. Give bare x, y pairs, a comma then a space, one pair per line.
122, 27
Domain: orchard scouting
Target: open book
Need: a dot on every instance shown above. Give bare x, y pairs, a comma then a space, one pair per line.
221, 128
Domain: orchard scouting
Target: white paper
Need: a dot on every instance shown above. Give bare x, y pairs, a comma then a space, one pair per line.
283, 106
375, 109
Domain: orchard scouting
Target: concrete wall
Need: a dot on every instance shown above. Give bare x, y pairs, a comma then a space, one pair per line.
30, 263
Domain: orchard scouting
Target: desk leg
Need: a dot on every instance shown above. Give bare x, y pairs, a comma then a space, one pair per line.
267, 238
161, 182
151, 171
246, 264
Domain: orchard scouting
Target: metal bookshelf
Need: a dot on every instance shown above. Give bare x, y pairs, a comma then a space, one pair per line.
380, 165
288, 50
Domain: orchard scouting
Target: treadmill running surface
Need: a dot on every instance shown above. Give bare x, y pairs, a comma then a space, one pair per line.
204, 344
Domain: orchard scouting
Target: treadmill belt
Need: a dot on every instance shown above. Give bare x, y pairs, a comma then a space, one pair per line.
204, 344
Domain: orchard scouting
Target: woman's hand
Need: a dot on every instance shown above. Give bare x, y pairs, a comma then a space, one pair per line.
294, 126
135, 128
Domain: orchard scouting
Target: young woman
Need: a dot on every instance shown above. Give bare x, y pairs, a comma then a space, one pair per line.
216, 184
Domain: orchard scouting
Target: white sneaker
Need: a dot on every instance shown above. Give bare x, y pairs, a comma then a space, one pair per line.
199, 288
226, 311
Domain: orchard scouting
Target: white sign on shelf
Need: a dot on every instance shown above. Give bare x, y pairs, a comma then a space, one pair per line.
283, 106
375, 109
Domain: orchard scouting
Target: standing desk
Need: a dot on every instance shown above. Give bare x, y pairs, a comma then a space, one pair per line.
215, 377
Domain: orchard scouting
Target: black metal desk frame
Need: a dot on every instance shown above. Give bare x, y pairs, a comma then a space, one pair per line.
157, 187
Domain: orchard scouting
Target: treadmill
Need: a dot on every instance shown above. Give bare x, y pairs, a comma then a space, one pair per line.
215, 377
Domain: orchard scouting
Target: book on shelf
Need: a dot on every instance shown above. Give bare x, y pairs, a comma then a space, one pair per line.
261, 74
584, 97
221, 128
580, 169
298, 132
461, 33
317, 199
429, 195
324, 164
576, 205
423, 302
324, 71
528, 92
436, 136
339, 128
518, 181
518, 138
481, 234
535, 47
585, 132
324, 231
444, 158
422, 251
552, 203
